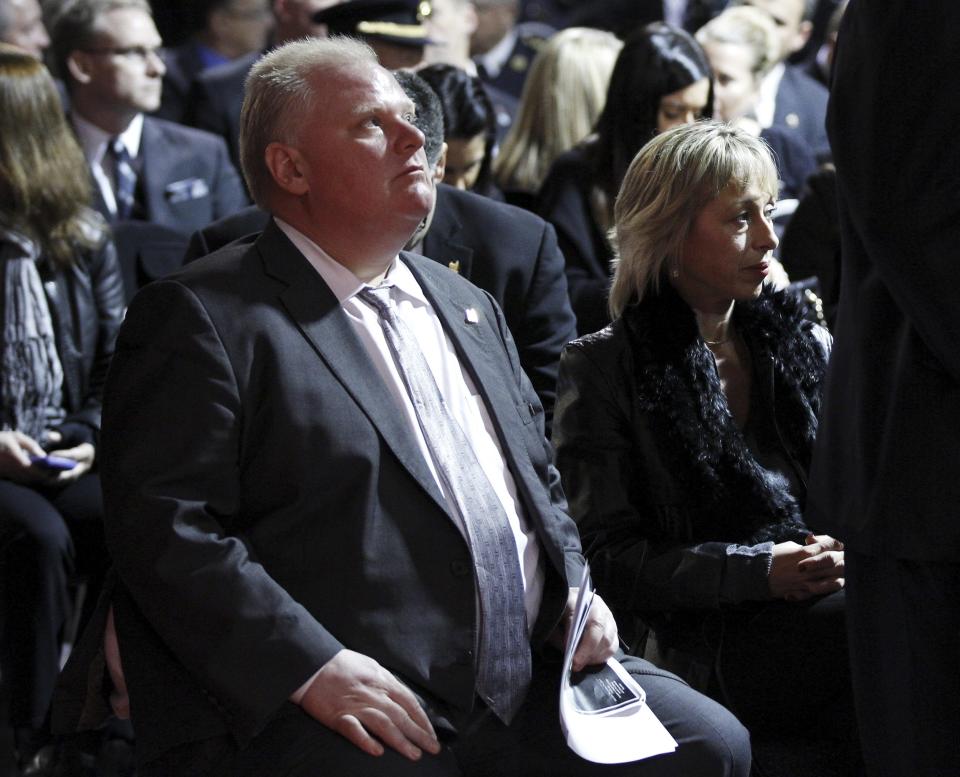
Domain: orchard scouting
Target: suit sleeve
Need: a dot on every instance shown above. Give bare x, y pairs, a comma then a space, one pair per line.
548, 324
598, 457
171, 478
892, 129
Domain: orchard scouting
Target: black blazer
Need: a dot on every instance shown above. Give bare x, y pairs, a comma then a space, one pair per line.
565, 201
886, 474
261, 538
216, 98
513, 255
506, 251
183, 63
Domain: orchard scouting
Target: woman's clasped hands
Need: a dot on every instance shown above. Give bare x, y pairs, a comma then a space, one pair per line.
799, 572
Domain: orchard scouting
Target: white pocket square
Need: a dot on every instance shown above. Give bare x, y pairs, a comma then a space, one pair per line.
187, 189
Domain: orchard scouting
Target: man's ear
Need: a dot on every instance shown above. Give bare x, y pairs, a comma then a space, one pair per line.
78, 66
287, 167
440, 168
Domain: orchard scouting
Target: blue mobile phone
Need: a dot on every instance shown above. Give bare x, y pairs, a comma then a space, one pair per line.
52, 462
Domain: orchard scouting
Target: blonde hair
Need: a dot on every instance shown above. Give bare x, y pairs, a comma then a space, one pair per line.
750, 28
666, 186
280, 92
45, 185
562, 98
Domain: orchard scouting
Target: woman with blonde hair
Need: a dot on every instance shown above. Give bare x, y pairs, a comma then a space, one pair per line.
684, 432
562, 98
62, 301
742, 45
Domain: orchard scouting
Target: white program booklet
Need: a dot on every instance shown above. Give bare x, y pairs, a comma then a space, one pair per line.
603, 711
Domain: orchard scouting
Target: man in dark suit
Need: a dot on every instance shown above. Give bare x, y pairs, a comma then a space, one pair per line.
789, 97
886, 471
297, 591
506, 251
143, 168
503, 47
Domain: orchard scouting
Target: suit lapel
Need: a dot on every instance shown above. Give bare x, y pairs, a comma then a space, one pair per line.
442, 242
320, 319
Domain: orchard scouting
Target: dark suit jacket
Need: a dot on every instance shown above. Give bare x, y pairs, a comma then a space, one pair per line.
186, 177
565, 201
216, 98
801, 108
513, 255
506, 251
886, 476
263, 536
184, 63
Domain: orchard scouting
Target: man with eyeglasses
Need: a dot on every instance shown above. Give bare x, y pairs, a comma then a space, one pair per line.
143, 168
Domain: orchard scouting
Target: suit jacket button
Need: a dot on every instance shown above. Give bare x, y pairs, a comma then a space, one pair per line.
465, 658
459, 568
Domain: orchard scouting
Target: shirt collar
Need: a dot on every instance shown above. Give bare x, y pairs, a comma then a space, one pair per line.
494, 60
94, 140
342, 282
765, 108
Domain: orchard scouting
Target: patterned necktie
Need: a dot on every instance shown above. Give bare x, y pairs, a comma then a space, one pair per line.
504, 664
125, 179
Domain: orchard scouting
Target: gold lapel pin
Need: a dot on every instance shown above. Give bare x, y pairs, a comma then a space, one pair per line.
455, 266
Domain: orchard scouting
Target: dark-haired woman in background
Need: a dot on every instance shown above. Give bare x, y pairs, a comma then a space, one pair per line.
470, 128
62, 301
684, 432
661, 79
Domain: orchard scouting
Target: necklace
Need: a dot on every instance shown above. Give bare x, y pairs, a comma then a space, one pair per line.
715, 343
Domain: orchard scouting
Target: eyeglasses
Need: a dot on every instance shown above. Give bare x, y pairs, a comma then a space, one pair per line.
141, 53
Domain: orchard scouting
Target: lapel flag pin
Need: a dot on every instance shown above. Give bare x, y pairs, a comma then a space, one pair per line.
471, 316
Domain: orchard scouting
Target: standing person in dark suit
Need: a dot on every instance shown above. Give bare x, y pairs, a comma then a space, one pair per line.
885, 475
297, 568
143, 168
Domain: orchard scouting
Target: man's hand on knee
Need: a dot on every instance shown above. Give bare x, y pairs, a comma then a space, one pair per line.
360, 700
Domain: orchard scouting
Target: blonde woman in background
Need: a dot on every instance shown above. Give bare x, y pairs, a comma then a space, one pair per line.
743, 44
562, 98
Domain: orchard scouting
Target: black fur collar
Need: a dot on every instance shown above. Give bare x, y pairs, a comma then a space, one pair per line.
729, 496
